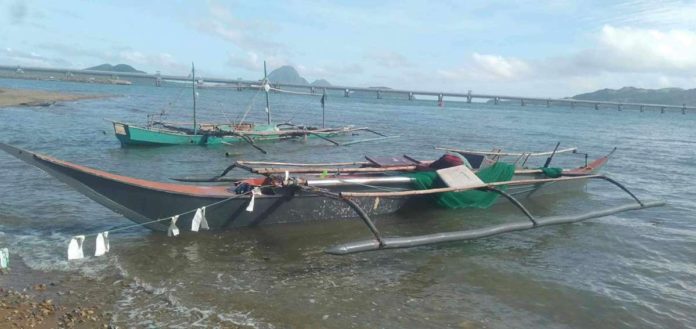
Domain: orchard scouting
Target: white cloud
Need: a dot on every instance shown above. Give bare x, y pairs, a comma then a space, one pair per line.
246, 35
389, 59
489, 67
251, 61
627, 49
19, 57
501, 67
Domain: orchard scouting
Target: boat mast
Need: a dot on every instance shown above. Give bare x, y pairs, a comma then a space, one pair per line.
266, 88
193, 88
323, 109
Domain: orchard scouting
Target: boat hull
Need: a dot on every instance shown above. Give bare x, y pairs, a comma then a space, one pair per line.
150, 203
145, 202
130, 135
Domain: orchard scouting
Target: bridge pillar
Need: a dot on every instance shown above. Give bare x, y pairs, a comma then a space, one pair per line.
496, 100
642, 108
548, 103
662, 110
522, 101
158, 79
346, 93
239, 86
596, 106
684, 109
311, 90
410, 96
468, 96
379, 94
618, 107
440, 100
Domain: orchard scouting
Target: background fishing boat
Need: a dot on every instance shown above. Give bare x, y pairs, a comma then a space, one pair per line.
161, 133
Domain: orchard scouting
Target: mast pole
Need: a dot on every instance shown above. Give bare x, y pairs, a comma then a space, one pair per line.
323, 109
266, 88
193, 88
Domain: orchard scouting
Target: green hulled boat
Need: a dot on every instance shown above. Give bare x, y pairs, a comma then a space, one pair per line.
159, 133
212, 134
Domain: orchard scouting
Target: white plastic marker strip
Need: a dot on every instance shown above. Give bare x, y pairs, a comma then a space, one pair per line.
75, 247
4, 258
254, 192
105, 234
101, 244
287, 177
199, 220
173, 230
204, 222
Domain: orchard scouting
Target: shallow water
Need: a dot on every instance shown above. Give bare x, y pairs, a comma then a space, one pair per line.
634, 269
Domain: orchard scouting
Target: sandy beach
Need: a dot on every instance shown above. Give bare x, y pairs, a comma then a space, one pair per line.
23, 97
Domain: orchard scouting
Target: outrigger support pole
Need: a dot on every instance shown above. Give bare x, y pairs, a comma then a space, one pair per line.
420, 240
361, 213
516, 203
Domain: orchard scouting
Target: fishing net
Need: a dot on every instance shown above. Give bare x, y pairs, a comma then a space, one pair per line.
552, 172
498, 172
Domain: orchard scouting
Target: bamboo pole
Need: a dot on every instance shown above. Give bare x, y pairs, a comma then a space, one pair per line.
458, 189
270, 170
290, 164
572, 149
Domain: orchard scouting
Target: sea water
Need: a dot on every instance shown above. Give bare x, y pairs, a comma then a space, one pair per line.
633, 270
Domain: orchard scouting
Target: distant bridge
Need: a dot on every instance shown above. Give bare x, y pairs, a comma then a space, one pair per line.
158, 79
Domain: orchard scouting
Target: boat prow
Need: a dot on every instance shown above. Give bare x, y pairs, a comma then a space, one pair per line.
116, 192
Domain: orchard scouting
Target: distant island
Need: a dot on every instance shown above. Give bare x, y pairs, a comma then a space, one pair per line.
121, 68
288, 75
667, 96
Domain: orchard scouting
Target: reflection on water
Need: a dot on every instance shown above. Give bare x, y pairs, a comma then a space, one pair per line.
630, 270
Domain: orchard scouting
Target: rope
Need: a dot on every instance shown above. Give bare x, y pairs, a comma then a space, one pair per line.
171, 104
251, 104
121, 228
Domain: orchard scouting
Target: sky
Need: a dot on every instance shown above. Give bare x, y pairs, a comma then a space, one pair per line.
526, 48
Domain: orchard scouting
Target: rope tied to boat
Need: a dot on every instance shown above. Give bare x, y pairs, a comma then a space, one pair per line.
102, 245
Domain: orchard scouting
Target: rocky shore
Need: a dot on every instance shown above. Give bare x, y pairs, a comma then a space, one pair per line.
37, 299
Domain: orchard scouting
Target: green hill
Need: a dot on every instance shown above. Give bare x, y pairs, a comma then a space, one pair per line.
321, 83
668, 96
114, 68
286, 74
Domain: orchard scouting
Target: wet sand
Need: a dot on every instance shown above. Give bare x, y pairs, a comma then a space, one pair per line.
37, 299
23, 97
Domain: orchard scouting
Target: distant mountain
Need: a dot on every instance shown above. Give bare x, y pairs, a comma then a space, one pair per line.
286, 74
321, 83
114, 68
668, 96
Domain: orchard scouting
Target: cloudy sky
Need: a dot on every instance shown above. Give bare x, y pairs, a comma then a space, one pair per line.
532, 48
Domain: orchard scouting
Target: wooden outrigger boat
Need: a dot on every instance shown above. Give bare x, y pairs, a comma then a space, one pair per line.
160, 133
287, 193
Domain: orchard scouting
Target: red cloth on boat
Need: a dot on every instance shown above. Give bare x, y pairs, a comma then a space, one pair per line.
445, 161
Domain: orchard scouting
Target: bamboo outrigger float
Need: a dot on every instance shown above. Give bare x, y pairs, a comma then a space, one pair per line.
298, 192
